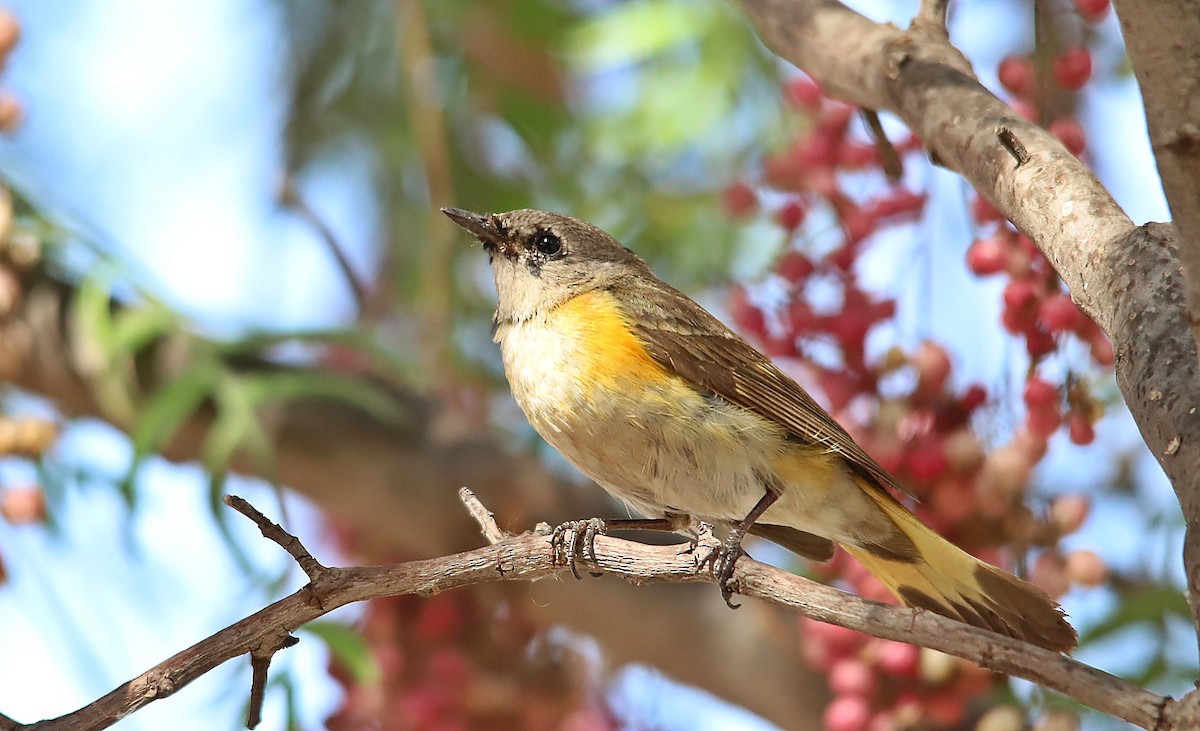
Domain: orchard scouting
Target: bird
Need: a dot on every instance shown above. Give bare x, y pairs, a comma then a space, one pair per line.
683, 420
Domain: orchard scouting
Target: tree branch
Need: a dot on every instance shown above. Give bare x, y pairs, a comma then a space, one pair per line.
1163, 43
530, 556
1126, 278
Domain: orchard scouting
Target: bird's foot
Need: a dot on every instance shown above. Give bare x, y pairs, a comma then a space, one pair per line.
704, 545
566, 540
709, 551
727, 555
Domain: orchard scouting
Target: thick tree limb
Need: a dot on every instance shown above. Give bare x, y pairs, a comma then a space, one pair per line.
530, 556
1163, 43
1128, 279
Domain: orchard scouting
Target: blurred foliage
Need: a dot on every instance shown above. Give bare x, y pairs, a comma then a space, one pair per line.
571, 107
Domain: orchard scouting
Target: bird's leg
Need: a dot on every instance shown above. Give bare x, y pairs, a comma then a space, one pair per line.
728, 556
566, 536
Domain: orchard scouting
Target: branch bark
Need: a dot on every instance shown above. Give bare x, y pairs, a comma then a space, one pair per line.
531, 556
1163, 43
1128, 279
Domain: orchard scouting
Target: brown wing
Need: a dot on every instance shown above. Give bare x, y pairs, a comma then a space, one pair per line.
684, 337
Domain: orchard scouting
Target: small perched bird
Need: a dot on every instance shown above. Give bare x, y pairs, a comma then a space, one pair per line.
673, 413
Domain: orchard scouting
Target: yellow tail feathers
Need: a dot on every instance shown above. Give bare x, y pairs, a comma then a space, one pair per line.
951, 582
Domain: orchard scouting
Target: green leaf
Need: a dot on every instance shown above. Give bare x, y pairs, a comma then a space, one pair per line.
170, 405
287, 384
1152, 604
632, 32
136, 327
349, 648
91, 320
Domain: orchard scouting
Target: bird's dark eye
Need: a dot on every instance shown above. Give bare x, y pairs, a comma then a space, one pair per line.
548, 244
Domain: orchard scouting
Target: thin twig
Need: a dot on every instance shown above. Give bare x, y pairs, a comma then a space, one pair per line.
526, 557
931, 15
484, 517
893, 167
291, 198
273, 531
260, 664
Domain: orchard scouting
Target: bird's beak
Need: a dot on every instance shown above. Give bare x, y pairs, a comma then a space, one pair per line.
478, 224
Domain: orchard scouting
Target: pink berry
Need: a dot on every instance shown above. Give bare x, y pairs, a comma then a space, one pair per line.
1039, 343
1070, 133
1102, 349
1017, 75
858, 156
851, 677
928, 462
847, 713
795, 267
740, 200
898, 658
12, 114
747, 316
804, 94
1086, 568
859, 224
932, 364
1072, 68
10, 32
23, 505
791, 215
987, 256
974, 397
1093, 10
1080, 429
1057, 313
946, 710
1044, 421
838, 638
963, 451
1040, 394
1050, 573
1019, 294
1067, 513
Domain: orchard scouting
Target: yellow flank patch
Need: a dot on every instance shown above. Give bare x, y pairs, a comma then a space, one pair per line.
608, 354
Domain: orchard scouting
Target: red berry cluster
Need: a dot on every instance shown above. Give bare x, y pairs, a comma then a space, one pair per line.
446, 665
923, 433
880, 685
1068, 70
11, 111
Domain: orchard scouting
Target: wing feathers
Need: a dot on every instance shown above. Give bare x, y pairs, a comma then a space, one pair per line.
685, 338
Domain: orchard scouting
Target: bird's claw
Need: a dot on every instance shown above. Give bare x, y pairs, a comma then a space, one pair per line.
566, 537
725, 558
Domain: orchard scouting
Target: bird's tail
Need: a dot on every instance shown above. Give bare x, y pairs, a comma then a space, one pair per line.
949, 581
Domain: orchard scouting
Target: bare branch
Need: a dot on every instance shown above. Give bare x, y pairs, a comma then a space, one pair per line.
273, 531
484, 517
931, 16
260, 663
530, 556
888, 157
